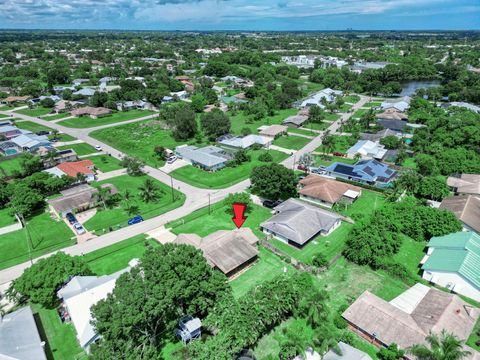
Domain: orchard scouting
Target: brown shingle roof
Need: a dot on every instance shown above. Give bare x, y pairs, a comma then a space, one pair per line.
274, 130
466, 184
226, 250
325, 189
93, 111
392, 114
466, 208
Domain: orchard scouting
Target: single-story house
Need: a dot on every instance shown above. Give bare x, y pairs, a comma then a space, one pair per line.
9, 131
400, 104
76, 199
246, 141
228, 251
32, 142
295, 121
327, 192
380, 135
85, 92
61, 156
347, 352
85, 167
272, 130
465, 105
54, 98
19, 336
395, 125
137, 104
93, 112
365, 171
296, 222
78, 82
209, 158
466, 184
65, 105
180, 95
8, 148
466, 208
316, 99
409, 318
367, 149
392, 114
80, 294
453, 262
10, 100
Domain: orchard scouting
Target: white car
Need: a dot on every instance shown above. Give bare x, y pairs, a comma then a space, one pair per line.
171, 159
79, 228
98, 148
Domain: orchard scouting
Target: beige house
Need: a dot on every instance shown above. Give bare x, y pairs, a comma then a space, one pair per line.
327, 192
466, 208
92, 112
466, 184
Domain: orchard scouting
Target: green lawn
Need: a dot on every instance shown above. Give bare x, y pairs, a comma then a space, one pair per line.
80, 149
8, 167
345, 108
341, 143
475, 337
30, 125
55, 117
352, 99
226, 176
139, 140
116, 257
316, 126
267, 267
241, 121
364, 205
201, 223
86, 122
321, 160
63, 137
373, 104
118, 217
46, 235
331, 117
104, 163
5, 218
61, 337
291, 142
410, 254
329, 246
302, 131
35, 112
359, 113
4, 116
410, 163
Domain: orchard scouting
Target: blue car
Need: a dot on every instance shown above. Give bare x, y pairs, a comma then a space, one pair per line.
135, 220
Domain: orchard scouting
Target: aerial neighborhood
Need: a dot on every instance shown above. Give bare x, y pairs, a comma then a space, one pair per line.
239, 195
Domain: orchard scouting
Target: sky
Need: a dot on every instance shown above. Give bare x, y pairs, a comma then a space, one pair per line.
277, 15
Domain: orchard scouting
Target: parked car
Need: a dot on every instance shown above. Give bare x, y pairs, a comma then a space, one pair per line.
171, 159
301, 167
271, 204
135, 220
98, 148
336, 153
79, 228
71, 218
43, 132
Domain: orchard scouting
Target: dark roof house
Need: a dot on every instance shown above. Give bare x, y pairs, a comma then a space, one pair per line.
366, 171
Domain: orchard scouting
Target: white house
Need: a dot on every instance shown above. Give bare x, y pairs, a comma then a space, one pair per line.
368, 150
316, 99
453, 262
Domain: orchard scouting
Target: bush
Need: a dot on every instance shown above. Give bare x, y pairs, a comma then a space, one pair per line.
340, 322
246, 131
265, 157
320, 260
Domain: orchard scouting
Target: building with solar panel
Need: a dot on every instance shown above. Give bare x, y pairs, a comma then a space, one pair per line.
371, 172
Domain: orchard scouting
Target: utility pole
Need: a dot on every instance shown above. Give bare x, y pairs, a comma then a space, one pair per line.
29, 240
173, 191
208, 203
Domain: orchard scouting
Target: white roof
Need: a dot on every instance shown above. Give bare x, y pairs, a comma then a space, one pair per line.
55, 172
409, 300
351, 194
368, 148
246, 141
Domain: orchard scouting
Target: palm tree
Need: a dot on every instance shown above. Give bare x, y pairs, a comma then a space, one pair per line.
149, 191
55, 134
102, 195
357, 156
131, 209
443, 346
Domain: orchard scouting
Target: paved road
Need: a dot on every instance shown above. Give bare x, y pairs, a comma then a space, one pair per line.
196, 198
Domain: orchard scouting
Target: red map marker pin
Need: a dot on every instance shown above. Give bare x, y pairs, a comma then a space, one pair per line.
239, 211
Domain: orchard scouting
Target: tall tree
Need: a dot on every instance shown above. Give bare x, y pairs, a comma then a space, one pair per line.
149, 191
443, 346
215, 123
273, 182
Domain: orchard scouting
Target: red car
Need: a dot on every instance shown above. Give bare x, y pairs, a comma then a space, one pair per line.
301, 167
339, 154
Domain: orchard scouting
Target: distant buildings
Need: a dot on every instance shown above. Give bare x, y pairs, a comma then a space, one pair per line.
453, 262
466, 208
465, 105
327, 95
272, 130
208, 158
400, 104
246, 141
327, 192
92, 112
360, 66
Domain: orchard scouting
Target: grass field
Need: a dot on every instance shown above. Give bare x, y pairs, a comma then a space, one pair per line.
104, 163
86, 122
80, 149
240, 121
30, 125
2, 116
139, 140
329, 246
226, 176
475, 337
341, 144
331, 117
115, 257
373, 104
35, 112
321, 160
114, 217
366, 204
410, 254
291, 142
410, 163
359, 113
46, 236
345, 108
55, 117
352, 99
61, 337
8, 167
5, 218
316, 126
63, 137
302, 131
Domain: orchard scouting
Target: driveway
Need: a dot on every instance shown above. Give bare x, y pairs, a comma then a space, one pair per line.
168, 168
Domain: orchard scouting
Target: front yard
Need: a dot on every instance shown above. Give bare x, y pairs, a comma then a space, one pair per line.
87, 122
35, 112
241, 121
80, 149
117, 216
46, 236
226, 176
104, 163
291, 142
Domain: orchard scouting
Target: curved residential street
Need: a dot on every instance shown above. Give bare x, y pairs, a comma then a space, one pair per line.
196, 198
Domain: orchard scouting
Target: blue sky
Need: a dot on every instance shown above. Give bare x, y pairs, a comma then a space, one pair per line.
240, 14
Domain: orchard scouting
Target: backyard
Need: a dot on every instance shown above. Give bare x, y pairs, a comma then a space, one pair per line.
46, 236
104, 163
226, 176
240, 121
86, 122
80, 149
35, 112
291, 142
340, 144
302, 131
9, 166
117, 216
